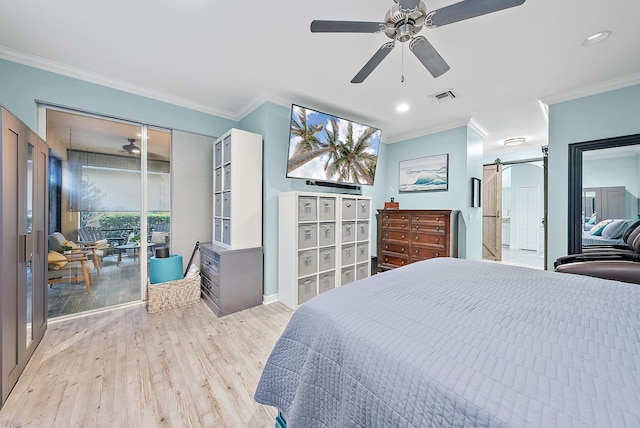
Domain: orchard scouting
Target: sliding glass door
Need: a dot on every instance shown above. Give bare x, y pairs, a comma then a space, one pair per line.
115, 189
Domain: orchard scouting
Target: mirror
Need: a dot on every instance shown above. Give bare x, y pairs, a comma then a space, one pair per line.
583, 199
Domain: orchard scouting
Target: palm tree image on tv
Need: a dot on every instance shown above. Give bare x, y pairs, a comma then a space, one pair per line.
324, 147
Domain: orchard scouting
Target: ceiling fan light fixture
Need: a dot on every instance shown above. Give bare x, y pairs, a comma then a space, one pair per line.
514, 141
596, 38
131, 148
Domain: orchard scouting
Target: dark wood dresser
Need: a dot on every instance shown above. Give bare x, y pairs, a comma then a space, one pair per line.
408, 236
231, 280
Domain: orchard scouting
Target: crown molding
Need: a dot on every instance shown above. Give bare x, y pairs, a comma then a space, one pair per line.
98, 79
598, 88
478, 128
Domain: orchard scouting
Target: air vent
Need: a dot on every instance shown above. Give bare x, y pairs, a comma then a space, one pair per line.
442, 97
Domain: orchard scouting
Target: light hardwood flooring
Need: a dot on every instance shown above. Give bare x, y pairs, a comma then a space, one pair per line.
127, 368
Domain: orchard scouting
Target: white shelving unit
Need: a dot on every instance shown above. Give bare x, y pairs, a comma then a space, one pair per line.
324, 242
237, 184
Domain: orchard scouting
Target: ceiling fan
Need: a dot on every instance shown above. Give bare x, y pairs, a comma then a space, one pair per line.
131, 148
404, 21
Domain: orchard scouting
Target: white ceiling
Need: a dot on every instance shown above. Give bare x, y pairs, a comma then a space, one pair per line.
228, 57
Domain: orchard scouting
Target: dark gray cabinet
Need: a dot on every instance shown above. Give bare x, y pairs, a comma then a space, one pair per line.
605, 202
231, 279
23, 249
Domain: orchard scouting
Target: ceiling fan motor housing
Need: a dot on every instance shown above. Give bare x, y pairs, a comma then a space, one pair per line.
402, 26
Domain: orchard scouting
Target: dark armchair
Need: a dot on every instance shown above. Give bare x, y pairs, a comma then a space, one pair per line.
620, 264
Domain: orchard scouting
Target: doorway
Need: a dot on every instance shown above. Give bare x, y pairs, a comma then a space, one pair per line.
115, 196
513, 213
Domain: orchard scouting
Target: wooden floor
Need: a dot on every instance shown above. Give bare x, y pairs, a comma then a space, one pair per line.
127, 368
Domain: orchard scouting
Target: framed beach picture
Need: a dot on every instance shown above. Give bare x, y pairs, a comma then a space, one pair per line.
424, 174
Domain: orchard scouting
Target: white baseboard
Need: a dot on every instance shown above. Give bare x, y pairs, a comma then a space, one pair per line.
269, 299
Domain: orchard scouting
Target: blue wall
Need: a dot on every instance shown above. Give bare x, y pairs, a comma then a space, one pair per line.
610, 114
464, 147
20, 86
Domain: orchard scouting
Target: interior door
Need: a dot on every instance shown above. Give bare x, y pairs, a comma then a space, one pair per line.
491, 216
528, 217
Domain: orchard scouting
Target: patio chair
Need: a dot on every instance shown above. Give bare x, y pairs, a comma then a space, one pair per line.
67, 267
95, 236
160, 235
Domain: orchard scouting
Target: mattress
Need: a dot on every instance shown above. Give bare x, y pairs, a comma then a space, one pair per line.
450, 342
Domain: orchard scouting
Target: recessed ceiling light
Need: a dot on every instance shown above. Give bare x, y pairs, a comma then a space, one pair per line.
514, 141
402, 108
596, 38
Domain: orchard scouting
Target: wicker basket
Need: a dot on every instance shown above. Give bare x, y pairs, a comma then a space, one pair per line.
172, 294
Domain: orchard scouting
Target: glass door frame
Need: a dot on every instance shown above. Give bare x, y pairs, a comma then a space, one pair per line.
144, 128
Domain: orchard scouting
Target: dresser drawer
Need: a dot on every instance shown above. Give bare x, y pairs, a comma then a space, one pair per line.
424, 253
394, 247
395, 216
396, 224
210, 288
394, 235
394, 260
429, 219
429, 225
210, 265
429, 238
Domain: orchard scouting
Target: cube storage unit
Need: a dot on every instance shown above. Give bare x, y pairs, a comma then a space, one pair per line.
237, 184
325, 242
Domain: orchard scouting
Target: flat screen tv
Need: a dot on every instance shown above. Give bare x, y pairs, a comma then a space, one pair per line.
330, 149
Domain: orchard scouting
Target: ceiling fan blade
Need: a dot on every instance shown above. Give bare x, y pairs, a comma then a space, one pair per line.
407, 5
346, 27
428, 56
468, 9
373, 62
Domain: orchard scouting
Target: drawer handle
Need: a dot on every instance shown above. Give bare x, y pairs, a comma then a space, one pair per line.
417, 238
403, 226
402, 236
403, 262
402, 251
417, 227
437, 227
437, 254
437, 240
386, 235
417, 251
386, 247
386, 259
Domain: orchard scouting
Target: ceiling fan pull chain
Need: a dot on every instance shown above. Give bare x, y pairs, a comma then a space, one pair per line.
402, 64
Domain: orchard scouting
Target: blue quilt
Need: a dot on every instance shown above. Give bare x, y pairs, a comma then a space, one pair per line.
449, 342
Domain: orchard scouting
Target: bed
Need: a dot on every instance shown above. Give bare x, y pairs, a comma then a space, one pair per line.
588, 240
451, 342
